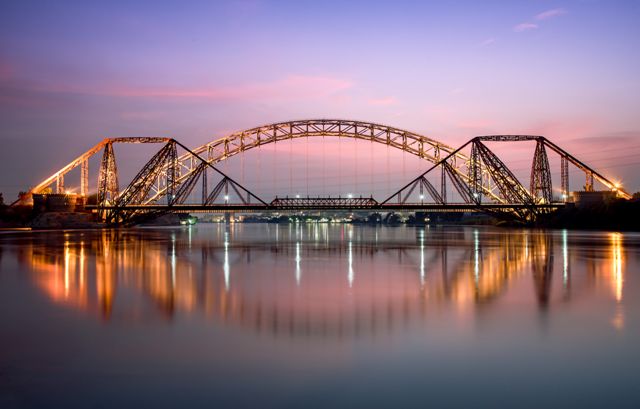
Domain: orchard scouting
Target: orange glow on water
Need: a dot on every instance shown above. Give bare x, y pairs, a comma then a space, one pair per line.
369, 287
616, 265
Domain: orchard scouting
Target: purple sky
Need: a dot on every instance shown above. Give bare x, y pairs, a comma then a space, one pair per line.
72, 73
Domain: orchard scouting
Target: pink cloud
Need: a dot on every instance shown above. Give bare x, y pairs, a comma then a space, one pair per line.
141, 115
550, 14
567, 128
524, 27
290, 88
6, 71
385, 101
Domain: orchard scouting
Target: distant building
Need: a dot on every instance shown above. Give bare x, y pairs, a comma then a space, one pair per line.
585, 199
58, 202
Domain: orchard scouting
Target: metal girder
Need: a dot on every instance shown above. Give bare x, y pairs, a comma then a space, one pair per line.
140, 139
323, 203
234, 184
141, 184
432, 191
82, 159
336, 204
187, 186
239, 142
564, 177
211, 198
108, 188
84, 177
475, 173
461, 175
166, 173
508, 138
171, 172
60, 183
541, 185
224, 184
590, 173
443, 184
461, 187
511, 189
588, 184
424, 184
56, 177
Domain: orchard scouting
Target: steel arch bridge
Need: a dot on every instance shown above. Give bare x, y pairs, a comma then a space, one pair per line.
480, 177
239, 142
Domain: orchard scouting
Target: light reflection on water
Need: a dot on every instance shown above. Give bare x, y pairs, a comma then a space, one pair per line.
336, 294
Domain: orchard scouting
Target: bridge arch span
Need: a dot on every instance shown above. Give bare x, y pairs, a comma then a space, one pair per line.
410, 142
223, 148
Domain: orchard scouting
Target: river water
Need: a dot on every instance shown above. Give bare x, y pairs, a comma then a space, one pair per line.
319, 315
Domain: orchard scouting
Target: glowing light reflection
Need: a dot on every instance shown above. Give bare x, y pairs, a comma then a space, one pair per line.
67, 257
351, 274
565, 259
616, 260
298, 259
421, 235
476, 255
226, 260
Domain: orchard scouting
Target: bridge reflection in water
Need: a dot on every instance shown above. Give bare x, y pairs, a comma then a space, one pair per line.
315, 280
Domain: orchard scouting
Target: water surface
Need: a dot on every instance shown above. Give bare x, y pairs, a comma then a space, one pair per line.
319, 315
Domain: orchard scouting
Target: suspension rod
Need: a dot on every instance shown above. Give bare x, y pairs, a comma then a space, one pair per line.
221, 173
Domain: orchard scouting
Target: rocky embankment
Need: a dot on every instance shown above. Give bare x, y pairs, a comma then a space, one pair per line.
64, 220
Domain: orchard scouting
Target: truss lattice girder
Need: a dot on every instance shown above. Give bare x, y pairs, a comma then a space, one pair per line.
88, 154
239, 142
588, 170
563, 154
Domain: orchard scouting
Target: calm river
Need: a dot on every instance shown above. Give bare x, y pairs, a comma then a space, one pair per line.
319, 315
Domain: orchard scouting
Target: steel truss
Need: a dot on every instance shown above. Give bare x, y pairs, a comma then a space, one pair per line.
482, 179
485, 169
323, 203
541, 188
239, 142
161, 173
108, 188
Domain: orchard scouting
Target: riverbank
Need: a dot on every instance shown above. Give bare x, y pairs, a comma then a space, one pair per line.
620, 215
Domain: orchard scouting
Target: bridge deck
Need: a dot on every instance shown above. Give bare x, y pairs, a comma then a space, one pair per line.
256, 208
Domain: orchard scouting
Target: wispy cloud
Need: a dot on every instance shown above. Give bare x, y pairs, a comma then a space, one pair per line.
524, 27
289, 88
545, 15
292, 87
383, 101
487, 42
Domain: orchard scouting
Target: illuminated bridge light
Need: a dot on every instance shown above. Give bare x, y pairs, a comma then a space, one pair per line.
172, 176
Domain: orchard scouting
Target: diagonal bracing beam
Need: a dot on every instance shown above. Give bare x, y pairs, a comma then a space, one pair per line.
509, 186
541, 186
228, 179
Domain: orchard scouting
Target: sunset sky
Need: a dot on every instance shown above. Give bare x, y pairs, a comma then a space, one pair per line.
72, 73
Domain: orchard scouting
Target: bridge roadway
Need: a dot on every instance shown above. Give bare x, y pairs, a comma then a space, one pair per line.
300, 206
